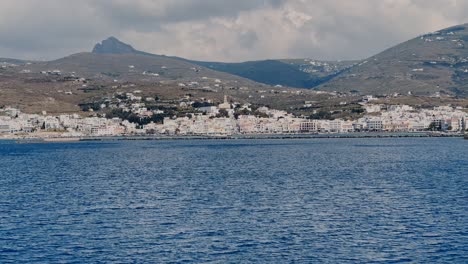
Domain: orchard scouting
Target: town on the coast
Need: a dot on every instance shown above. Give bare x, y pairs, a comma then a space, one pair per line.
128, 115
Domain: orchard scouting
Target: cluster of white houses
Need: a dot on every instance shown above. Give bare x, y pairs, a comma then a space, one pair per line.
394, 118
12, 121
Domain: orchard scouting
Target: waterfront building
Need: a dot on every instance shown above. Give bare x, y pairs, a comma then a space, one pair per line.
374, 125
310, 126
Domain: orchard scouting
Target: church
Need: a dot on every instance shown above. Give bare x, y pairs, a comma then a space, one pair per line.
225, 105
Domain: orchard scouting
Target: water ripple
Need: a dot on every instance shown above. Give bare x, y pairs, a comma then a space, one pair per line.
268, 201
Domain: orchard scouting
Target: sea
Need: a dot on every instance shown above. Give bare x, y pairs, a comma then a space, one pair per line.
372, 200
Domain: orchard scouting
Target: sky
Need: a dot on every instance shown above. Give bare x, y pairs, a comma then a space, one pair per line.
222, 30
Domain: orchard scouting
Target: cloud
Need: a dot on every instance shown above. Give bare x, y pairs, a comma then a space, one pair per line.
222, 30
149, 14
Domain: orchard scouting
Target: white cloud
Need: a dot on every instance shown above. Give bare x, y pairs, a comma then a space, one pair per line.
222, 30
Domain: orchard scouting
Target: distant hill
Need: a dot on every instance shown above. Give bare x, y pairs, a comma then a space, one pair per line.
300, 73
271, 72
436, 62
293, 73
11, 61
114, 60
61, 85
431, 64
130, 67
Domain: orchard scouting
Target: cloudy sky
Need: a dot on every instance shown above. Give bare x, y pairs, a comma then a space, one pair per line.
222, 30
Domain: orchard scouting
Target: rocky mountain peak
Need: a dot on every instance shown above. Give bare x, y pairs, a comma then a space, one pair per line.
112, 45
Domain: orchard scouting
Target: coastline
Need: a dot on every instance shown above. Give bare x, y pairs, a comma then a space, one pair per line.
232, 137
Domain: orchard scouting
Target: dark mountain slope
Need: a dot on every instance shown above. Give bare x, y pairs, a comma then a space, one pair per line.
298, 73
271, 72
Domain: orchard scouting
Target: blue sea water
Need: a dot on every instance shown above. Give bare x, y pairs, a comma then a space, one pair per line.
235, 201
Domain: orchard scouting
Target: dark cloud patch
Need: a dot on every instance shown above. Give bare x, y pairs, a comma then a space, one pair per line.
147, 15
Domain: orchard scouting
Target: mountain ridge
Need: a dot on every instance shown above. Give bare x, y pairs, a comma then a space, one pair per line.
428, 64
271, 71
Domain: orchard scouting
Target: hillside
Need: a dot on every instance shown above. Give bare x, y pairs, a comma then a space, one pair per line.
128, 67
435, 63
113, 68
271, 72
300, 73
319, 71
432, 63
61, 85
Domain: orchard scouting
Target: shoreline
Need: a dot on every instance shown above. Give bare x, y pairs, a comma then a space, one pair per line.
234, 137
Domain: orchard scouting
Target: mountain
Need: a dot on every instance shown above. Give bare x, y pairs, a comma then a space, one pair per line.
112, 60
130, 67
270, 72
113, 66
112, 45
300, 73
432, 63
